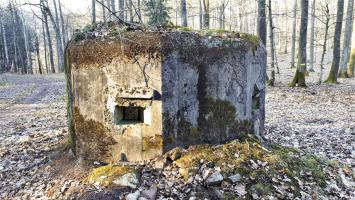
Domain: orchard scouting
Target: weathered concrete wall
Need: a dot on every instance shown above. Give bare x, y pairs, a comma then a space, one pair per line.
110, 81
213, 89
189, 89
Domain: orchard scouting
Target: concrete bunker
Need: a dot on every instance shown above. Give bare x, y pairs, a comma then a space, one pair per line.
138, 94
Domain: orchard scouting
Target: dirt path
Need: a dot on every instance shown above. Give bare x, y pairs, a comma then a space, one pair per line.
32, 121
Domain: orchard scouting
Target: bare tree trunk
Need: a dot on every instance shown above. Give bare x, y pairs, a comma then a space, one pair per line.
139, 13
183, 13
50, 46
55, 24
38, 55
311, 41
121, 8
2, 49
103, 11
271, 81
130, 8
200, 14
45, 46
334, 70
113, 6
262, 21
4, 41
222, 15
347, 38
15, 60
285, 51
27, 48
206, 14
230, 16
352, 63
327, 14
109, 13
299, 79
241, 27
93, 12
65, 39
276, 61
293, 47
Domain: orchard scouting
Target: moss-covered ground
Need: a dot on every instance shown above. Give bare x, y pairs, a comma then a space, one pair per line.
105, 175
261, 165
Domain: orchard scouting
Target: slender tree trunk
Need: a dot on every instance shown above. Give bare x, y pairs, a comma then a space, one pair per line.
347, 37
262, 21
27, 48
286, 34
276, 61
4, 42
230, 16
68, 29
103, 11
293, 47
241, 19
15, 60
58, 38
45, 46
334, 70
222, 15
20, 49
139, 13
30, 39
130, 8
113, 6
55, 24
327, 14
109, 13
93, 12
299, 79
183, 13
271, 81
351, 67
200, 14
206, 14
311, 41
38, 55
121, 8
50, 46
62, 24
2, 48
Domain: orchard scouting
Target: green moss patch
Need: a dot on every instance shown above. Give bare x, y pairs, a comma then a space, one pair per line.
106, 175
153, 142
263, 166
93, 140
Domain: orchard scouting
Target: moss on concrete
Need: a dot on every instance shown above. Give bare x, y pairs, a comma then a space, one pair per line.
93, 140
99, 44
69, 102
105, 175
127, 46
153, 142
218, 118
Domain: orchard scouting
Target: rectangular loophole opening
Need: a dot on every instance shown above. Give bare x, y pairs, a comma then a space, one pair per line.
129, 115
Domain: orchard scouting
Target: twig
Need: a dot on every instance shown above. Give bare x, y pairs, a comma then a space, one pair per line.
117, 17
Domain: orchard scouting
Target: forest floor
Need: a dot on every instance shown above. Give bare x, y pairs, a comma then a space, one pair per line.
319, 119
